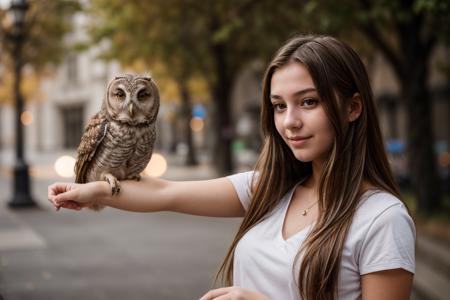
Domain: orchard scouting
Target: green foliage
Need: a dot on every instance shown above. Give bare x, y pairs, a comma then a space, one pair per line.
442, 215
212, 40
389, 19
46, 24
182, 33
438, 12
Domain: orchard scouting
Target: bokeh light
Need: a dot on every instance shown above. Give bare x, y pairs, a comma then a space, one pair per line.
64, 166
157, 166
444, 159
197, 124
26, 118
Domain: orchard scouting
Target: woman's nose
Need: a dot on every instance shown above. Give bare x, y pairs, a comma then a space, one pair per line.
292, 118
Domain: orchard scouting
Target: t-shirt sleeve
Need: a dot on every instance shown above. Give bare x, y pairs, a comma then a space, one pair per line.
389, 243
241, 183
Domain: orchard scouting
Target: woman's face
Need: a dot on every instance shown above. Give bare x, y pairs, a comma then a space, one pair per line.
299, 115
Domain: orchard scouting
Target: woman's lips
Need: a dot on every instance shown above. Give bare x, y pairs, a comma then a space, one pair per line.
298, 141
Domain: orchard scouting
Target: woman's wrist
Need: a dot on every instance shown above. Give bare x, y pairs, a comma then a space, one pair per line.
102, 192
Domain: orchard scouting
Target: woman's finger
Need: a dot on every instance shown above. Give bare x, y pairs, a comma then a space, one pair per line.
69, 205
212, 294
58, 187
226, 296
70, 195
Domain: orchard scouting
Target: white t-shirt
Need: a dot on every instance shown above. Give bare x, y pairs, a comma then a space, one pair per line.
381, 237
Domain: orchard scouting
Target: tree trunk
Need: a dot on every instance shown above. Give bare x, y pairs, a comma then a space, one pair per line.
1, 128
174, 131
411, 66
422, 159
416, 52
191, 158
221, 90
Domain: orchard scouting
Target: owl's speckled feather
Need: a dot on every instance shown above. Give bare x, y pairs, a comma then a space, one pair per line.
117, 143
93, 136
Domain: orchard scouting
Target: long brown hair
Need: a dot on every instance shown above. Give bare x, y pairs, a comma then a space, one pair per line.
357, 154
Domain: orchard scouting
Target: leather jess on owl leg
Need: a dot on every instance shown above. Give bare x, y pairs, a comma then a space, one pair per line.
113, 182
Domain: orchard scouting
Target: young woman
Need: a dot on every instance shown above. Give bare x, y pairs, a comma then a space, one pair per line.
322, 215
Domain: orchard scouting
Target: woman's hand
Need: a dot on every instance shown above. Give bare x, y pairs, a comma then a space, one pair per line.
233, 293
74, 195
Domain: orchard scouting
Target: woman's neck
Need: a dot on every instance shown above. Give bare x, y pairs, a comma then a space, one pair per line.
317, 168
313, 181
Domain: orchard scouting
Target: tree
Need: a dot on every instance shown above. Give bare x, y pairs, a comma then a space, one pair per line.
46, 23
153, 38
406, 32
415, 26
45, 26
212, 39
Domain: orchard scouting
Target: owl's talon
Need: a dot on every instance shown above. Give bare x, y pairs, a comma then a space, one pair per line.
116, 188
114, 183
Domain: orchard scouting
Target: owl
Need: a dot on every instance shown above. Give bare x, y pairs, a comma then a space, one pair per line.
117, 143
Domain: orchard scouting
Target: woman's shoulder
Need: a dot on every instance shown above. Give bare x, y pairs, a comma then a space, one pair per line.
375, 202
242, 178
382, 234
242, 184
379, 209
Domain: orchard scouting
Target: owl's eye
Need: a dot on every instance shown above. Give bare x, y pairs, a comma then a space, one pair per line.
143, 94
119, 94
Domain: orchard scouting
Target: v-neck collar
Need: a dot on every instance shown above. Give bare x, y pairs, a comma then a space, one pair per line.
284, 209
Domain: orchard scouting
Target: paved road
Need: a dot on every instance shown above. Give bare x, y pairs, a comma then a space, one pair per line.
109, 255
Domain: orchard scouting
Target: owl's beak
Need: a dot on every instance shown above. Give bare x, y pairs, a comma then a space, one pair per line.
130, 109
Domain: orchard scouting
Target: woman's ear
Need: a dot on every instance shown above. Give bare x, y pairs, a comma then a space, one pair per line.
354, 108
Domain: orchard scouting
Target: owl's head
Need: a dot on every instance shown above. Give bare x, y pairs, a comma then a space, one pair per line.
132, 99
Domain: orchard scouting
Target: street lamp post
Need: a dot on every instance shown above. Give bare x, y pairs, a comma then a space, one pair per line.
21, 196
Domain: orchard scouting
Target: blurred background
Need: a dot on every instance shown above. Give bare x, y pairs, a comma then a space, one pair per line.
208, 58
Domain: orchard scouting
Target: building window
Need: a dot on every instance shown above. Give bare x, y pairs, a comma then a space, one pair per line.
72, 68
73, 126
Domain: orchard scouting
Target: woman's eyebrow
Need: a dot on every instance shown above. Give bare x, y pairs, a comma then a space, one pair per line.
296, 94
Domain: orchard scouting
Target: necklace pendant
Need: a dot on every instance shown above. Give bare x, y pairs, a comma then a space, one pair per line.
305, 212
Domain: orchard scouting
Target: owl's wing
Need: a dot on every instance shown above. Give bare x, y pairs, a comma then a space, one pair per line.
94, 133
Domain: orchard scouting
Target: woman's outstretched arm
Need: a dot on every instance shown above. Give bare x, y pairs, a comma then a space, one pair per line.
213, 198
395, 284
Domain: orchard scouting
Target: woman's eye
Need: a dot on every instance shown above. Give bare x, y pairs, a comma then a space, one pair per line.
309, 102
279, 107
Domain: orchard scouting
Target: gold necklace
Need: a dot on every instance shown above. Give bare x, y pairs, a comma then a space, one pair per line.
305, 211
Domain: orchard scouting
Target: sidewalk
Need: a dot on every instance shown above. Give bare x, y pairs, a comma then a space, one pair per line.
108, 255
432, 268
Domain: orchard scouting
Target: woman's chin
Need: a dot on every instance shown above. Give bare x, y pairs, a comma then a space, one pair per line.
303, 158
